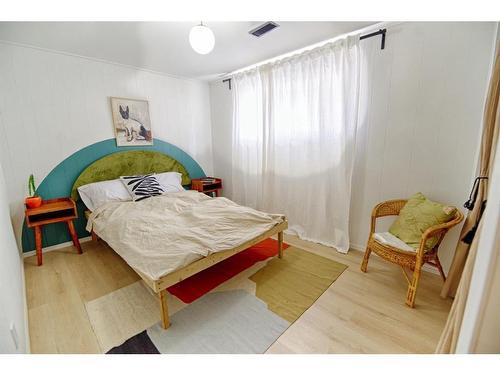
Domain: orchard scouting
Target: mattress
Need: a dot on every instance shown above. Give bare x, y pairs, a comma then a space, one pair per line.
162, 234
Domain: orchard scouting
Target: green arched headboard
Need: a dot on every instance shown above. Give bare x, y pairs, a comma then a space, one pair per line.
128, 163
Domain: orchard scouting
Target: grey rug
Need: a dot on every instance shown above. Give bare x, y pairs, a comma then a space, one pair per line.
223, 322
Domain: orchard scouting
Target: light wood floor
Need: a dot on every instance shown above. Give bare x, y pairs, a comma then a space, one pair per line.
359, 313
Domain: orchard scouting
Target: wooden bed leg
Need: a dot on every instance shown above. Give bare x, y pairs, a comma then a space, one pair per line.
94, 236
280, 245
165, 322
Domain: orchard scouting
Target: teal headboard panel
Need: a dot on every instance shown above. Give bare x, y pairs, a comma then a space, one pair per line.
60, 180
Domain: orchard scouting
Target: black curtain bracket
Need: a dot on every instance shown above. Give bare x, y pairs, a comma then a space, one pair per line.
473, 193
380, 32
228, 80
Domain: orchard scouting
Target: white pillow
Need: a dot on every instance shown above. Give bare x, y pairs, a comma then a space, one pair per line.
96, 194
170, 181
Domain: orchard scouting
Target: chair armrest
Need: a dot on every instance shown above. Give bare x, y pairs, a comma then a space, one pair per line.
387, 208
439, 230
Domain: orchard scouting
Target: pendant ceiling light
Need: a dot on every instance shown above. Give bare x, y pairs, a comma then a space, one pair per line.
202, 39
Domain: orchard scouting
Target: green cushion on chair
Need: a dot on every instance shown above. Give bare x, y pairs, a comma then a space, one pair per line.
417, 215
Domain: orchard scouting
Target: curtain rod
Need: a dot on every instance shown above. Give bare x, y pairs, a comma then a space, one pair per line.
380, 32
375, 33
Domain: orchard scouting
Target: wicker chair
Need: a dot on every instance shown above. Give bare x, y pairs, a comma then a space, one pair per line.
412, 260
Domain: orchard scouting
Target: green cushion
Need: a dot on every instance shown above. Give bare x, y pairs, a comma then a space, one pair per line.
418, 214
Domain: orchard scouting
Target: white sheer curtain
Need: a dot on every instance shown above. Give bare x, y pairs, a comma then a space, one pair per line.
294, 131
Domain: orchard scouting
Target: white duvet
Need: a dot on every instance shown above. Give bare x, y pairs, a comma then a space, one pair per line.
159, 235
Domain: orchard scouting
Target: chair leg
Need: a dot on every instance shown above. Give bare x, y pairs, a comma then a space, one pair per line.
440, 268
368, 251
412, 287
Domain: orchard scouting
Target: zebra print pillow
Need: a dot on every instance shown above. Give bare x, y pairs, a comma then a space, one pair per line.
142, 187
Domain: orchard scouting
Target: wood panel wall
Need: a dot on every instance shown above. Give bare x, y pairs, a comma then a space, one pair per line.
53, 104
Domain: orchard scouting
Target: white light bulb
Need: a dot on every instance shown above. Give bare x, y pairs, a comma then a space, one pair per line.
202, 39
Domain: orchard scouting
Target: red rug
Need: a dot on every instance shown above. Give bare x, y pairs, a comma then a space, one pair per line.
203, 282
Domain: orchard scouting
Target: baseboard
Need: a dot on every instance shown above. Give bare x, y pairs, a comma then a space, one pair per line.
26, 319
430, 269
357, 247
426, 267
56, 247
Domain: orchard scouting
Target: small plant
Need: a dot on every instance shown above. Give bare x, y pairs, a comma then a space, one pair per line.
31, 186
33, 201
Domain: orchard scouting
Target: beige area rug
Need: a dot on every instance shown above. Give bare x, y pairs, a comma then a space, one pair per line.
288, 287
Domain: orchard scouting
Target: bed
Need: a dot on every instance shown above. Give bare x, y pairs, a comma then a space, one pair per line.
171, 237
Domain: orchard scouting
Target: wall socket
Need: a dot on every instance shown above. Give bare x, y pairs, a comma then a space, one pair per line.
13, 333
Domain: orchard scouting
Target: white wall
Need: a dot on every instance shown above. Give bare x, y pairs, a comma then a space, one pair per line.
422, 109
480, 324
12, 299
53, 104
424, 104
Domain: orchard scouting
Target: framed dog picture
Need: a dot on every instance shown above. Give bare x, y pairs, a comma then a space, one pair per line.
131, 122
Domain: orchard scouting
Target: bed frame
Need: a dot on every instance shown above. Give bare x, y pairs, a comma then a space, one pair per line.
160, 286
141, 162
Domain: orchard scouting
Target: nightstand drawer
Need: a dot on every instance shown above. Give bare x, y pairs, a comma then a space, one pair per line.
207, 185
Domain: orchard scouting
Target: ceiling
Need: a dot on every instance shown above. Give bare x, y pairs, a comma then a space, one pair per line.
164, 46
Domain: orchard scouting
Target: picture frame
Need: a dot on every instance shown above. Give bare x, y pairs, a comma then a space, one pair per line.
131, 122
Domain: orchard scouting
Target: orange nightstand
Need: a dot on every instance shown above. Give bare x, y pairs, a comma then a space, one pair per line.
207, 185
52, 211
